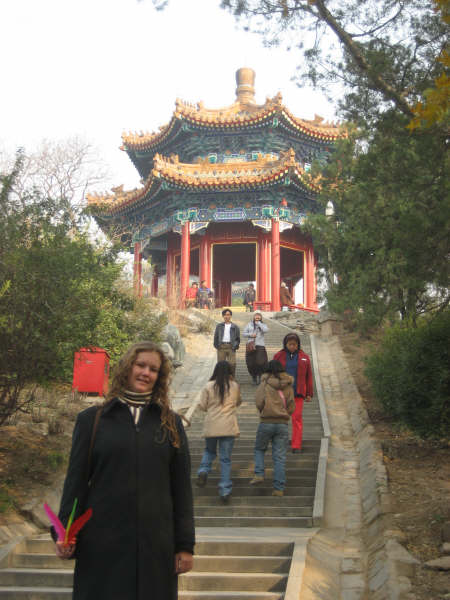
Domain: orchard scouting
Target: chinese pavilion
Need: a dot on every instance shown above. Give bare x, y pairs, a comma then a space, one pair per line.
224, 195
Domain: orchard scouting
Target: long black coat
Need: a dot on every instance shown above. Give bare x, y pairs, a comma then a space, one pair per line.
141, 498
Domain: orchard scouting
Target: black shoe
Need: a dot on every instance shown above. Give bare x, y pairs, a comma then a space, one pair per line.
225, 499
296, 450
202, 478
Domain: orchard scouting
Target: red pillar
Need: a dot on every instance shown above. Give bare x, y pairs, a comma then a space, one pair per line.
205, 260
310, 286
154, 289
170, 276
137, 270
264, 260
140, 275
261, 270
185, 263
267, 266
275, 265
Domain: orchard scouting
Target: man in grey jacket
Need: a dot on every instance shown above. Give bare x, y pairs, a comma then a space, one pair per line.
227, 338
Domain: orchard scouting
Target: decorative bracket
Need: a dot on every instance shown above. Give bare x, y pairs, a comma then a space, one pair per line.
263, 223
284, 225
197, 226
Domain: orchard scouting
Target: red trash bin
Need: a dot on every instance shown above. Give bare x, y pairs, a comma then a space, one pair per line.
91, 371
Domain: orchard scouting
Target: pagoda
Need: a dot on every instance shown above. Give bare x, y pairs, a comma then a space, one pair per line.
224, 195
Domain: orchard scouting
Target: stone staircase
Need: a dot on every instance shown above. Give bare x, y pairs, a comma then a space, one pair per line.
254, 506
244, 550
224, 570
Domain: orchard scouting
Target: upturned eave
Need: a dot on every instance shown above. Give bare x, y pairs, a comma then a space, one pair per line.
169, 173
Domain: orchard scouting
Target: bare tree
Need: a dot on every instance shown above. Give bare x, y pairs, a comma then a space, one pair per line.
62, 170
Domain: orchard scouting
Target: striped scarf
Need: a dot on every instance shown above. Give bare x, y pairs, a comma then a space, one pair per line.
135, 402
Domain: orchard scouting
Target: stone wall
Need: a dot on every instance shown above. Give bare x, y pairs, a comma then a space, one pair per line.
355, 555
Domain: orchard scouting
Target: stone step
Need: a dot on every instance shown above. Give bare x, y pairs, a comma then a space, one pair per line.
247, 471
307, 455
249, 418
263, 489
45, 545
253, 427
229, 564
61, 578
37, 561
31, 593
242, 564
256, 501
299, 460
248, 438
245, 481
233, 548
229, 595
249, 511
233, 582
296, 522
242, 445
53, 593
313, 421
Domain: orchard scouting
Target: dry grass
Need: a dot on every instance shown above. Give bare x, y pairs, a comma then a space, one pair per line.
34, 447
419, 478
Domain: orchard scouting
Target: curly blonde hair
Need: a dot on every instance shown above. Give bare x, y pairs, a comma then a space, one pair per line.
160, 392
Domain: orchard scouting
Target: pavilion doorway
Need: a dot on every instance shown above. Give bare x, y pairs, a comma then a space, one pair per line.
231, 263
292, 272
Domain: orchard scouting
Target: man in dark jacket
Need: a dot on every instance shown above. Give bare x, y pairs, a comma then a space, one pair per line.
249, 297
227, 338
297, 364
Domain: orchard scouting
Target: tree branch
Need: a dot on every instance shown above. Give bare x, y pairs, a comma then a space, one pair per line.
352, 48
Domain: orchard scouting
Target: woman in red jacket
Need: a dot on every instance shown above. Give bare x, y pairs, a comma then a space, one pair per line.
297, 364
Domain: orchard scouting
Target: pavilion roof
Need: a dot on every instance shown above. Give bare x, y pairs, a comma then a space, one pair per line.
204, 176
240, 115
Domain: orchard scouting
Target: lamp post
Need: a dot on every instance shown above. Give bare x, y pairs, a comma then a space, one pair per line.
329, 213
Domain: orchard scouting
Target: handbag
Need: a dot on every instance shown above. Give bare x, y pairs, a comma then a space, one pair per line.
250, 346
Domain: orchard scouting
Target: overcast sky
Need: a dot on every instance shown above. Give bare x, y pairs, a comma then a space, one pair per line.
96, 68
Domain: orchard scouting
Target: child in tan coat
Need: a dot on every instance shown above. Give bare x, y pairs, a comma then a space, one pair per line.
220, 399
275, 402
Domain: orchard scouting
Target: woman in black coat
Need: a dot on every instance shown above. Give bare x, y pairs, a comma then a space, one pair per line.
141, 534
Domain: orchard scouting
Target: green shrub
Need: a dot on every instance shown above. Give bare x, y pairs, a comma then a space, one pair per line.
58, 292
5, 499
55, 459
410, 375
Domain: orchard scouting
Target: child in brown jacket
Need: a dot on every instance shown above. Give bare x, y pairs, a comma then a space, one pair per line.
275, 402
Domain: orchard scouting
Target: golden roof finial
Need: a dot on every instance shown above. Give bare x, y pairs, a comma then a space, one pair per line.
245, 80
